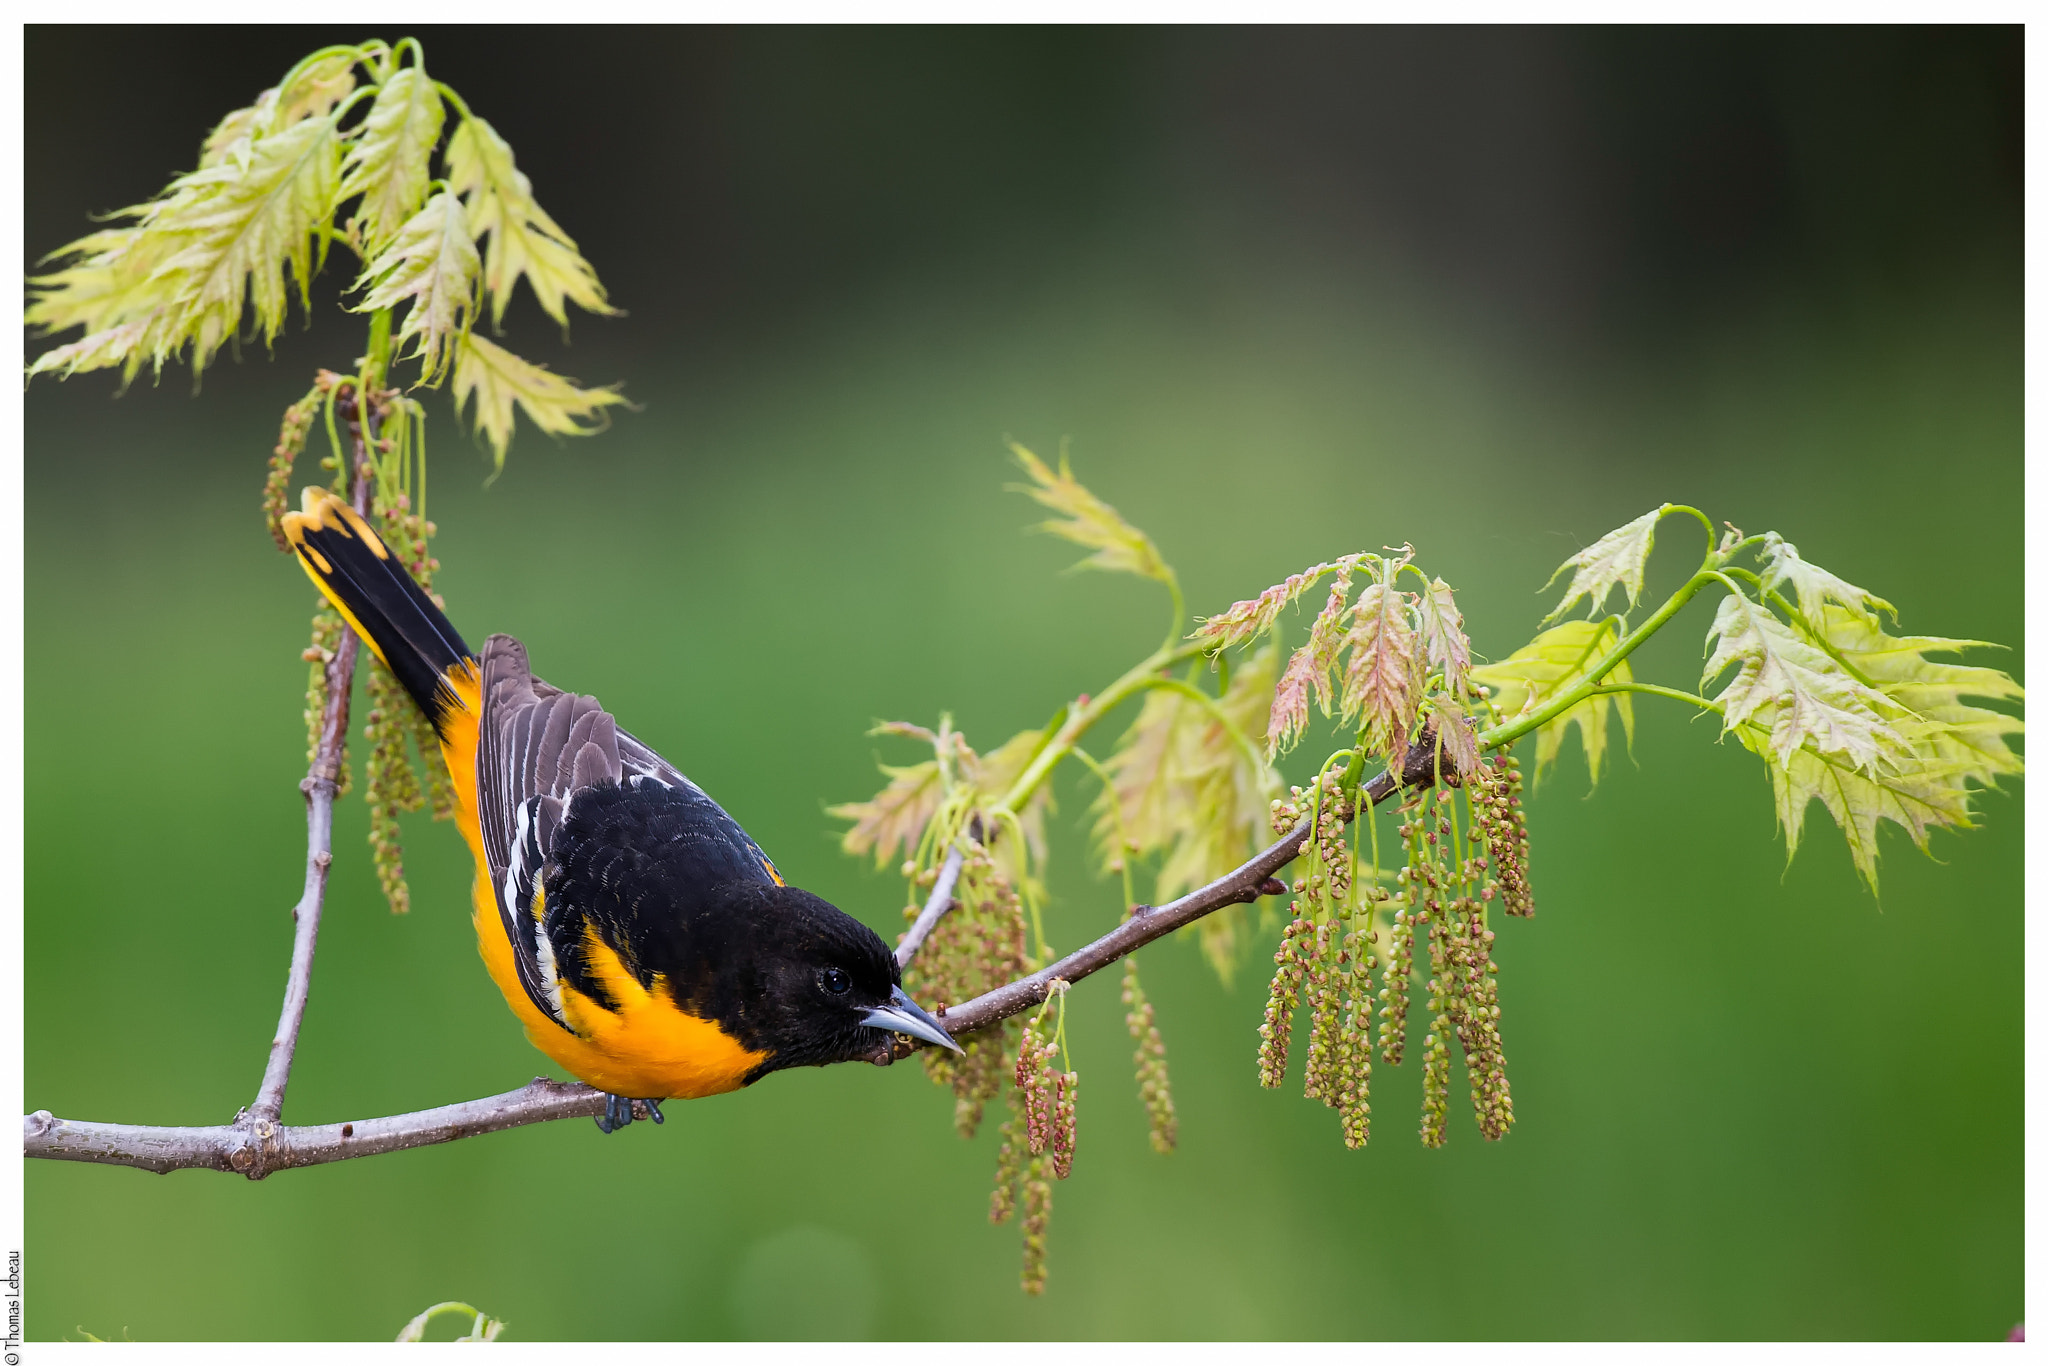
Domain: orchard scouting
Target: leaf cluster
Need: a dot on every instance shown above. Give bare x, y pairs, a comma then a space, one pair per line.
348, 131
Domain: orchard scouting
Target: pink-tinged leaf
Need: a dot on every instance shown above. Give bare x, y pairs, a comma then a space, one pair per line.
1443, 635
1381, 682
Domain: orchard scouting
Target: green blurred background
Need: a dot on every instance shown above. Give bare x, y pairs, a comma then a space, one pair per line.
1290, 293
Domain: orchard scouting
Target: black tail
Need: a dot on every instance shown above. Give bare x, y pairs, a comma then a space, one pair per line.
357, 572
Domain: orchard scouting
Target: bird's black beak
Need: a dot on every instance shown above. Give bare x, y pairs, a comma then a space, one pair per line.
905, 1016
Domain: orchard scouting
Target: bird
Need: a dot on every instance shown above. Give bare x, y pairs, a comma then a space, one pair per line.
643, 939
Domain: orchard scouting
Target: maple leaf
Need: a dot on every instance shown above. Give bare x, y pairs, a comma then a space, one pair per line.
1443, 635
1088, 521
523, 239
1615, 560
896, 816
389, 162
499, 379
1553, 663
1382, 681
433, 263
1797, 692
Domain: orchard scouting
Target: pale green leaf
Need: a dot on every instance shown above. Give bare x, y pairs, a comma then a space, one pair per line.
1311, 666
1947, 743
523, 239
389, 162
1088, 521
1814, 587
1798, 693
1615, 560
431, 266
315, 90
1556, 661
498, 380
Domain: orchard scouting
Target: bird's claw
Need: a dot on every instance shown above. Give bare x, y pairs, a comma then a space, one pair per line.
618, 1112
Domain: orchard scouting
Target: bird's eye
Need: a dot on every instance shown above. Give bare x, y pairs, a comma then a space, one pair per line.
836, 981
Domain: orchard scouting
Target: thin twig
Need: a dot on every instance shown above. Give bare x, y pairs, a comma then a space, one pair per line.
255, 1154
322, 780
940, 901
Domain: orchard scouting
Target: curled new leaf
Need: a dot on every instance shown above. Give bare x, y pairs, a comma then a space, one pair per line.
431, 265
1443, 635
1382, 678
1616, 559
1246, 621
1553, 663
524, 241
388, 164
499, 379
1088, 521
1814, 587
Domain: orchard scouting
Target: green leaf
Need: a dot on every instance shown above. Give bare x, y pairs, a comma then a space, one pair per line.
1383, 677
1615, 560
315, 90
1815, 587
1948, 744
1798, 693
1552, 664
389, 162
499, 379
523, 239
433, 264
1088, 521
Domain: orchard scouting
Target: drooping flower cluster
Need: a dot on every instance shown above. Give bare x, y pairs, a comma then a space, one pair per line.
1038, 1138
1154, 1088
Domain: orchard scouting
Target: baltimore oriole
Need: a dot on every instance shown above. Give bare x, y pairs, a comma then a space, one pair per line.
645, 941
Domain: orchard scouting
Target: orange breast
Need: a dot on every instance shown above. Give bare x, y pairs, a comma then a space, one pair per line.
646, 1048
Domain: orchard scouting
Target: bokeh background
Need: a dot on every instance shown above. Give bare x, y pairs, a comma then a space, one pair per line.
1289, 293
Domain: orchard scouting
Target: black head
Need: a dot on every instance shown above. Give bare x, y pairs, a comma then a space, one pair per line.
801, 980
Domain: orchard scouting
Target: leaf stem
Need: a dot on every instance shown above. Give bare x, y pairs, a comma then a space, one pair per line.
1141, 676
1509, 732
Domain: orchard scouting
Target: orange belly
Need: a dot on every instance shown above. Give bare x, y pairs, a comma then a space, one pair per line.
645, 1048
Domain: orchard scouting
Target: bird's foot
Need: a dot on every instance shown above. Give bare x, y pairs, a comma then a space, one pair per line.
618, 1112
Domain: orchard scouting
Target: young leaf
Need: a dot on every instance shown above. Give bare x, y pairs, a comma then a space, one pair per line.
1186, 788
1457, 743
1615, 559
1797, 692
1443, 635
894, 817
523, 239
1251, 618
1088, 521
1815, 587
1551, 664
1382, 678
433, 263
314, 91
389, 162
1949, 743
1310, 667
498, 379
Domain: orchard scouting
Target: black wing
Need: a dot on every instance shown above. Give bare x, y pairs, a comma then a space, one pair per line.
538, 750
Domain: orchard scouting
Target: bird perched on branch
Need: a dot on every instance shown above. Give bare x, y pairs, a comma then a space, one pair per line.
647, 944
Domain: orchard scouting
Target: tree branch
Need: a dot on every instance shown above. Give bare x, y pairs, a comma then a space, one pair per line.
940, 901
256, 1149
